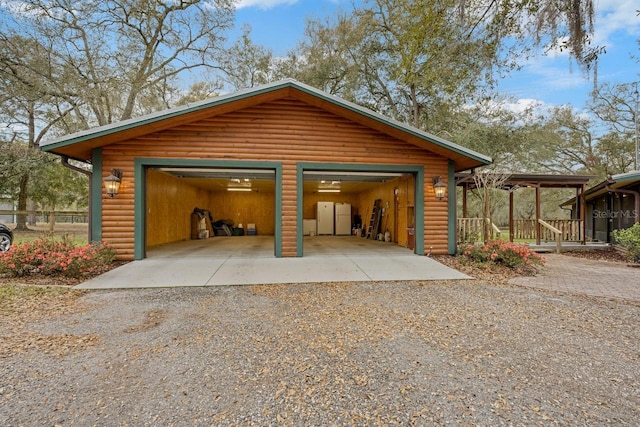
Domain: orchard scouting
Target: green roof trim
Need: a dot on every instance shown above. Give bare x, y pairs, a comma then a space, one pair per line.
624, 177
124, 125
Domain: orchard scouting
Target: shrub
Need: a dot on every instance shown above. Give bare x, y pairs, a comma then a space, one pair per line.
49, 257
512, 255
630, 240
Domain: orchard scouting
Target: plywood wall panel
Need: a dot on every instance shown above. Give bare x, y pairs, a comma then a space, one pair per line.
170, 202
245, 208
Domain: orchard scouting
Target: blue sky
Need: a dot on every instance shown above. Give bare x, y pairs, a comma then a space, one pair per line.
551, 79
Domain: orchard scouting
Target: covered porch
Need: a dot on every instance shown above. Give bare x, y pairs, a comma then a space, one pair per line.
540, 229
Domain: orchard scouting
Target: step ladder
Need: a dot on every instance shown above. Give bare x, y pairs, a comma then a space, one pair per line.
374, 222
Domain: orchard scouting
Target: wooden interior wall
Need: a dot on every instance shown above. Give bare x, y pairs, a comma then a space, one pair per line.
170, 202
245, 208
406, 208
385, 192
286, 131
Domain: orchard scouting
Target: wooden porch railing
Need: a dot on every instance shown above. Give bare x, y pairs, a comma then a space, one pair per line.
470, 230
570, 230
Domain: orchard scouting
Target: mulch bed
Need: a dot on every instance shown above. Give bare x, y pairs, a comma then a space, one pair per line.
610, 255
493, 273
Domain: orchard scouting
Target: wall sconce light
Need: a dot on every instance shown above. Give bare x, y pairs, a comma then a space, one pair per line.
112, 182
440, 188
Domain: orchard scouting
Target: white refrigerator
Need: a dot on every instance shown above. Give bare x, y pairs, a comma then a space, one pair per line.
325, 218
343, 219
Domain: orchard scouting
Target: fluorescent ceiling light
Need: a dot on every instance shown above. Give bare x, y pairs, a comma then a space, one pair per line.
328, 191
238, 189
232, 172
356, 174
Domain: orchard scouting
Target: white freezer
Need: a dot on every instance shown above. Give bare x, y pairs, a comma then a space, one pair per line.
324, 218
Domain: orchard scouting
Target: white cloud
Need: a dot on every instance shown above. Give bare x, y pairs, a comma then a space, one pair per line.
554, 73
526, 109
616, 15
263, 4
521, 105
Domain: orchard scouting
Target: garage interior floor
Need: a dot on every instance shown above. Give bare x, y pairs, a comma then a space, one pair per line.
250, 260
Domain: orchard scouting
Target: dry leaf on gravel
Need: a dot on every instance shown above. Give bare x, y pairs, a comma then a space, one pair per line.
55, 344
21, 306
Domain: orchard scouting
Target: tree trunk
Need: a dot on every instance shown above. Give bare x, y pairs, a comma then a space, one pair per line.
416, 107
32, 219
21, 222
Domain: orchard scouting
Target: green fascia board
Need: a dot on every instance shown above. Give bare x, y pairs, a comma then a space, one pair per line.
185, 109
626, 177
141, 164
341, 167
96, 196
419, 211
452, 209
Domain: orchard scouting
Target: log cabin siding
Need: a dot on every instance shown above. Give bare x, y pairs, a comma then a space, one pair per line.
286, 131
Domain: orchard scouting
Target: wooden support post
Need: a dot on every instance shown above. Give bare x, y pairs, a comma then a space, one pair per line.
487, 215
538, 226
511, 231
583, 214
464, 201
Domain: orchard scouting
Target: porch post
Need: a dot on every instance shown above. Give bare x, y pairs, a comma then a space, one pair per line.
464, 201
487, 214
538, 214
511, 230
583, 214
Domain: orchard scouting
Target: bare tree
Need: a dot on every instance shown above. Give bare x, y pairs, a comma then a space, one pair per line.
489, 183
67, 65
107, 57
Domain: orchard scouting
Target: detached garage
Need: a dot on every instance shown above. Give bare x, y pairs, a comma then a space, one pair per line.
267, 161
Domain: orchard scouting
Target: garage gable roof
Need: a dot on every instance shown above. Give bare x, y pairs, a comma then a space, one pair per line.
80, 145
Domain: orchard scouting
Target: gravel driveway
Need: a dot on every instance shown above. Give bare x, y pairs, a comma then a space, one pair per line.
400, 353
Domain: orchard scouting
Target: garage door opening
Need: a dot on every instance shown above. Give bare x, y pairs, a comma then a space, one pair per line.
217, 212
358, 212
